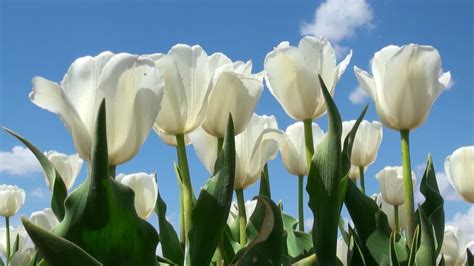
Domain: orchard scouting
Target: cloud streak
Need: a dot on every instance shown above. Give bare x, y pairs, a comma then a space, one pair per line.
18, 162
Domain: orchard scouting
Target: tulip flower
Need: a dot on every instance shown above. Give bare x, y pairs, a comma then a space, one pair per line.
44, 219
354, 172
235, 90
395, 215
459, 168
292, 75
171, 139
188, 72
132, 88
391, 184
250, 206
145, 189
293, 154
22, 257
454, 247
12, 199
68, 168
365, 146
8, 236
405, 83
342, 250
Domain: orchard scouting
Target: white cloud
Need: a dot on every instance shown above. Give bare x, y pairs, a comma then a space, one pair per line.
338, 20
465, 221
358, 96
38, 193
19, 161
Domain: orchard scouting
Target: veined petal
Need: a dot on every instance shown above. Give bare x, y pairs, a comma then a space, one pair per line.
459, 168
379, 62
205, 146
146, 191
366, 82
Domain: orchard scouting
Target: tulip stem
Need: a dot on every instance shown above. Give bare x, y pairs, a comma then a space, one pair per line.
300, 203
362, 181
187, 186
7, 225
242, 216
308, 138
408, 184
395, 214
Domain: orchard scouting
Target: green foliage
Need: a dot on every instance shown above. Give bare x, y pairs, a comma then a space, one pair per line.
426, 253
299, 244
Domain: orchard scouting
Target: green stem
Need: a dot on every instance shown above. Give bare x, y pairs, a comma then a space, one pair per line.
362, 182
300, 202
408, 185
7, 224
308, 138
242, 216
187, 186
395, 215
112, 172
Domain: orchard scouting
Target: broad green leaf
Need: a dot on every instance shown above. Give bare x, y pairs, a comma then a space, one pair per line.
470, 257
414, 246
57, 251
398, 250
59, 188
100, 216
266, 248
170, 245
433, 204
324, 185
229, 244
213, 202
355, 256
299, 244
426, 254
378, 242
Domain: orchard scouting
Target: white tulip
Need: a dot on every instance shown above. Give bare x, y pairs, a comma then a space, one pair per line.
14, 232
391, 184
354, 172
388, 209
146, 192
235, 90
366, 142
293, 148
250, 206
44, 219
188, 74
292, 75
132, 88
406, 81
22, 257
459, 168
68, 168
12, 199
256, 145
342, 250
171, 139
454, 247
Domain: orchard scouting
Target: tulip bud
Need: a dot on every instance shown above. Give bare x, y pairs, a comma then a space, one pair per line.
12, 199
188, 75
44, 219
366, 142
68, 168
293, 148
235, 90
391, 184
14, 232
342, 250
406, 81
459, 168
292, 75
132, 88
145, 189
454, 247
250, 206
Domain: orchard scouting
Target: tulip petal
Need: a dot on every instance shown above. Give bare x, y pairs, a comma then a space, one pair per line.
459, 168
366, 82
146, 192
205, 146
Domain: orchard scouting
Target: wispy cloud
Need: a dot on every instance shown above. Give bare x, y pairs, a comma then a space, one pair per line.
358, 96
38, 193
19, 162
465, 221
338, 20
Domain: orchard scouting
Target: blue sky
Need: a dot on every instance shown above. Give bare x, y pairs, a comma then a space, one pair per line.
44, 37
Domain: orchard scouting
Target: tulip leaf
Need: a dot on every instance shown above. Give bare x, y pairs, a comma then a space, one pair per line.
1, 262
59, 188
378, 242
324, 182
164, 261
470, 257
170, 244
266, 247
265, 183
230, 246
414, 246
100, 216
398, 249
213, 201
433, 204
56, 250
355, 256
426, 253
16, 245
299, 244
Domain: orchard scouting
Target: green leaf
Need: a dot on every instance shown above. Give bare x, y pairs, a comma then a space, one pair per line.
1, 262
265, 183
470, 257
426, 254
355, 255
56, 250
59, 188
398, 250
164, 261
433, 204
324, 182
378, 242
213, 201
414, 246
16, 245
266, 248
299, 244
35, 259
100, 216
230, 245
170, 244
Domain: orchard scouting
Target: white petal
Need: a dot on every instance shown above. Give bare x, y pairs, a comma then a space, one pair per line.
205, 146
170, 139
12, 199
366, 82
44, 219
145, 189
459, 169
68, 168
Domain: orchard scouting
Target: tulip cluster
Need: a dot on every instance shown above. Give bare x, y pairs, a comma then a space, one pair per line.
111, 102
